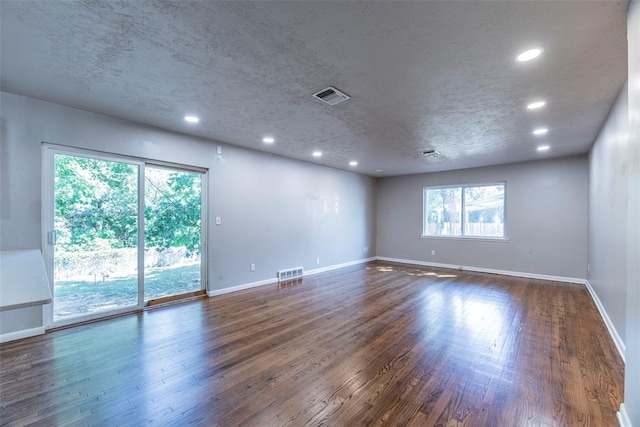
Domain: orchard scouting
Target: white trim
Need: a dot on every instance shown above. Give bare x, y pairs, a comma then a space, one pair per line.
623, 417
607, 321
244, 286
423, 263
141, 198
18, 335
97, 315
216, 292
527, 275
110, 156
204, 230
467, 238
487, 270
337, 266
47, 224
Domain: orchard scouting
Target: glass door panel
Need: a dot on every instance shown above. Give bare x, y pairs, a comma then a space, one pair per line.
96, 236
173, 219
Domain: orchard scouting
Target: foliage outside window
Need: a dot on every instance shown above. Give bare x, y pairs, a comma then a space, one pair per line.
96, 206
465, 211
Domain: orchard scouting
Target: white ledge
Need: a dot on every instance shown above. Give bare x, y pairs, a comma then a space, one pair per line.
23, 280
467, 238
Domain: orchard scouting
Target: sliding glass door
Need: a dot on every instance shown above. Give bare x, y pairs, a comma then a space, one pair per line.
173, 233
120, 234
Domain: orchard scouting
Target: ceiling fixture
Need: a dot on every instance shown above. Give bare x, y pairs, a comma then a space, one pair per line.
191, 119
378, 170
268, 140
528, 55
331, 96
540, 131
430, 153
536, 105
353, 163
543, 148
317, 153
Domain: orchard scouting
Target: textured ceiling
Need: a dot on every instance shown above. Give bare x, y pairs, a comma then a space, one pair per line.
421, 75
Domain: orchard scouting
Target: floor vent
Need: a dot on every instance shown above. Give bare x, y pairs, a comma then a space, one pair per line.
290, 273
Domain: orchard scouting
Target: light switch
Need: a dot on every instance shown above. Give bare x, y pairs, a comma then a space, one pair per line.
218, 220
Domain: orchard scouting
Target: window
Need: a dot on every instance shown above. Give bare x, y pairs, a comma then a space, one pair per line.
465, 211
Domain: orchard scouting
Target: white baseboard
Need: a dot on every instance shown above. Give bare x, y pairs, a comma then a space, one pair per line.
223, 291
18, 335
623, 417
337, 266
487, 270
527, 275
244, 286
607, 321
423, 263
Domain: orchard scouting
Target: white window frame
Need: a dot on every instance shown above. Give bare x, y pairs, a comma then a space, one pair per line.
462, 236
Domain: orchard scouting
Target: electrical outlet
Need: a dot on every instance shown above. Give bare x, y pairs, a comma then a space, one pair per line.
218, 220
366, 249
317, 260
252, 267
433, 252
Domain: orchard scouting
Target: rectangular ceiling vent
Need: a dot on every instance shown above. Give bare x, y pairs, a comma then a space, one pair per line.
430, 153
331, 96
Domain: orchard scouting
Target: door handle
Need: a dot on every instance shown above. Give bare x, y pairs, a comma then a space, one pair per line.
52, 237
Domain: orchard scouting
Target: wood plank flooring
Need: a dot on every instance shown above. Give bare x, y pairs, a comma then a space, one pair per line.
375, 344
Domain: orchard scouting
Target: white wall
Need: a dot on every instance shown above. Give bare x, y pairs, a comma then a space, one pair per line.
272, 208
614, 228
608, 167
632, 334
546, 219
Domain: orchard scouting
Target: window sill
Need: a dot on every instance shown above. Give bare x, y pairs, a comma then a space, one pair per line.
468, 238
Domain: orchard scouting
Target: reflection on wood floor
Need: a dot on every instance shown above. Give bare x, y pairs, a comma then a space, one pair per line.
374, 344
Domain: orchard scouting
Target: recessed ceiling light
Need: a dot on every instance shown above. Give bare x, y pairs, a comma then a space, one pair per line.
191, 119
536, 105
528, 55
378, 170
353, 163
543, 148
268, 140
317, 153
540, 131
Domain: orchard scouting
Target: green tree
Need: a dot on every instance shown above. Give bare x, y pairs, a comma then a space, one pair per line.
95, 203
173, 209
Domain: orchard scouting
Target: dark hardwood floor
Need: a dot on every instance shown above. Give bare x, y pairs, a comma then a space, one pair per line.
376, 344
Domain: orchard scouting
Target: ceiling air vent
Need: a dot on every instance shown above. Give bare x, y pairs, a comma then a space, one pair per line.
331, 96
430, 153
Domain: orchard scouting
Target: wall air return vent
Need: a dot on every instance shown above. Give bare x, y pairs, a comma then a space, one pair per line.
331, 96
290, 273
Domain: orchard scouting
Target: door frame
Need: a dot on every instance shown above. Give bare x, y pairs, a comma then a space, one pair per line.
49, 151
